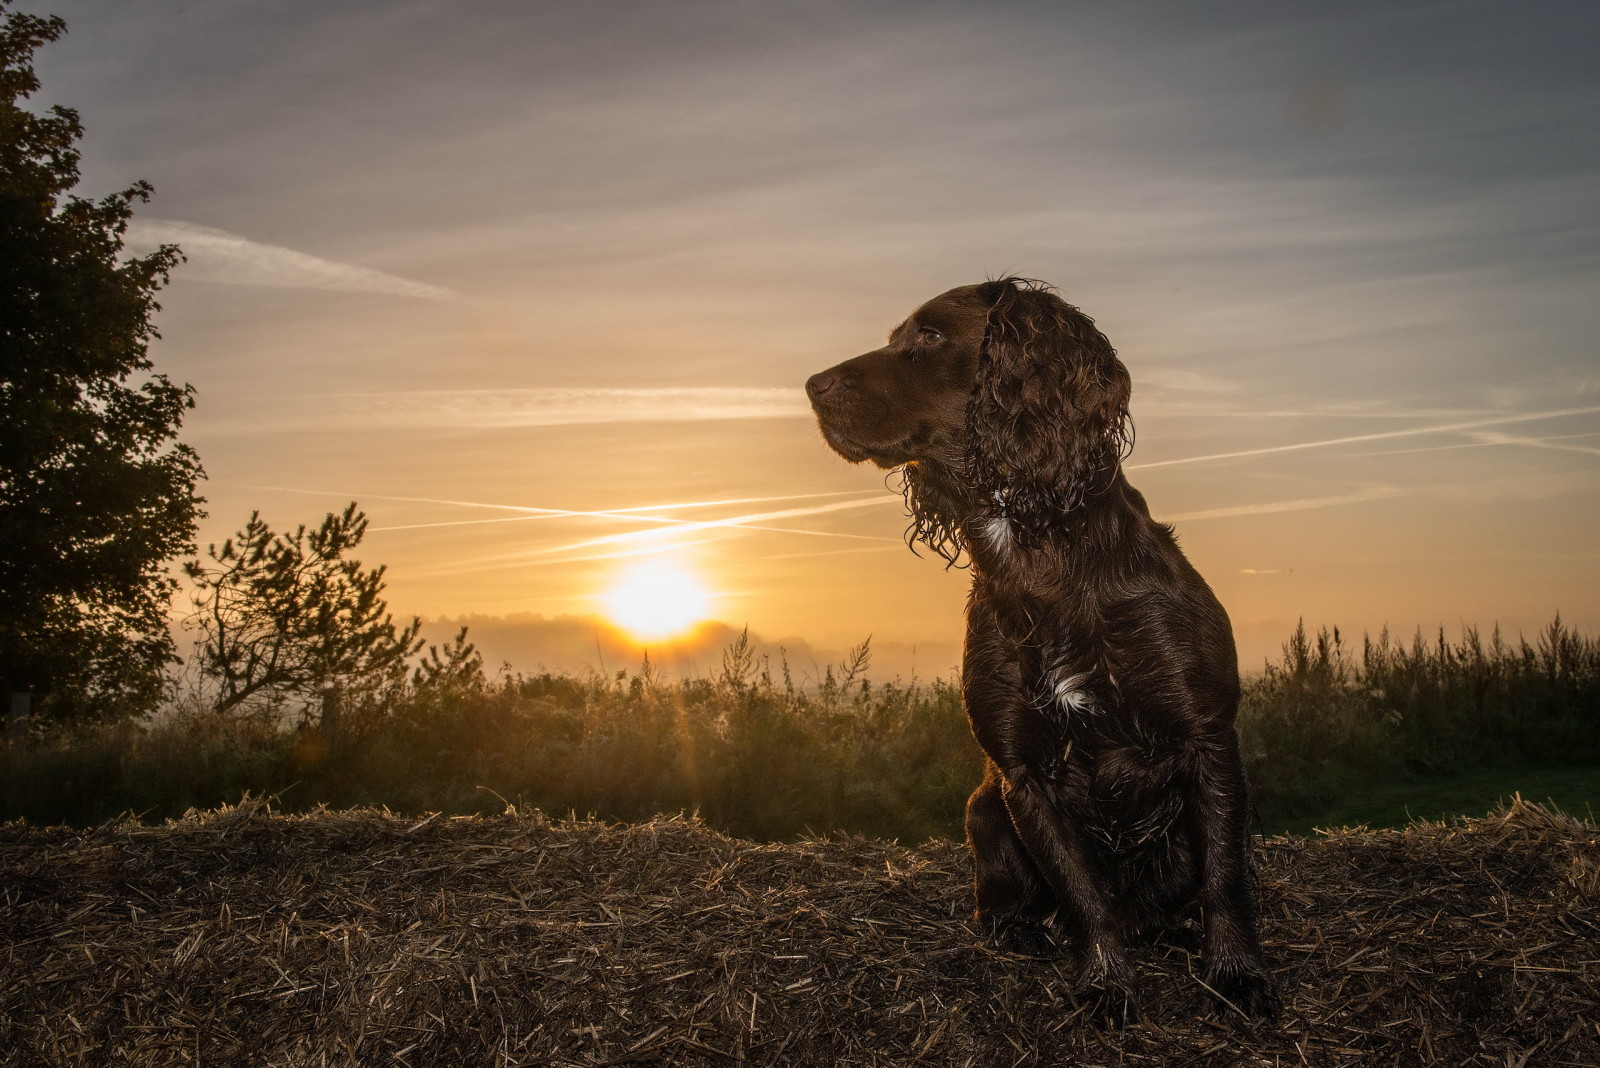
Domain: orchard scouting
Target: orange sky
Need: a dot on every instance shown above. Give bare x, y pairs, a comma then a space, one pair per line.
485, 267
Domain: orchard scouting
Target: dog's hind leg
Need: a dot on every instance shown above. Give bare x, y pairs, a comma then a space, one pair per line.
1014, 901
1235, 970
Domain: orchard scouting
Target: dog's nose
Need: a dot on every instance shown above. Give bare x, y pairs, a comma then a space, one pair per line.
821, 383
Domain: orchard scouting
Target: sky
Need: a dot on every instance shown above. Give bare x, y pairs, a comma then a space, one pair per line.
538, 284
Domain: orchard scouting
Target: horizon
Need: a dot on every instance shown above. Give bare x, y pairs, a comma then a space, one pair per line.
538, 288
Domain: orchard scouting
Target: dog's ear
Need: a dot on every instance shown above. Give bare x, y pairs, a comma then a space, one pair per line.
1048, 420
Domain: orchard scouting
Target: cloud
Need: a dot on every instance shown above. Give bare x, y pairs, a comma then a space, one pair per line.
668, 529
219, 256
1492, 438
1188, 381
1377, 493
748, 521
665, 537
632, 513
546, 406
1380, 436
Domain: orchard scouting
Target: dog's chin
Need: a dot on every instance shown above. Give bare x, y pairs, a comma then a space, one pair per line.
888, 455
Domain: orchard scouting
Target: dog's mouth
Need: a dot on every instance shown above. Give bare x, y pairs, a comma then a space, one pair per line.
850, 449
885, 454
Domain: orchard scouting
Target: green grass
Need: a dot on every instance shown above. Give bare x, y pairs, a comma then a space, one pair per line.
1474, 792
1425, 728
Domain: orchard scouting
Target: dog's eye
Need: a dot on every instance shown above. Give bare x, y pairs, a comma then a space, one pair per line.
929, 336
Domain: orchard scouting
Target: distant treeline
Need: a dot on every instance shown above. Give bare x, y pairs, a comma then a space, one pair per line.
759, 756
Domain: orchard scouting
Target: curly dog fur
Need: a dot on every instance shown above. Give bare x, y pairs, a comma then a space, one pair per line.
1099, 671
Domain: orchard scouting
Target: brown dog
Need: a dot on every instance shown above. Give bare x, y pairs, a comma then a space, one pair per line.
1100, 674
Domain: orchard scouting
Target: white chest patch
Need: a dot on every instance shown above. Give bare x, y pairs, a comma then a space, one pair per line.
997, 532
1072, 696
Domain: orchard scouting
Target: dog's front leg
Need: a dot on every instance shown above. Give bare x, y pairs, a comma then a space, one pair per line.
1024, 745
1057, 845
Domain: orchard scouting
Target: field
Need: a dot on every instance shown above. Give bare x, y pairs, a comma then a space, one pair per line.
1439, 797
1331, 737
242, 936
391, 892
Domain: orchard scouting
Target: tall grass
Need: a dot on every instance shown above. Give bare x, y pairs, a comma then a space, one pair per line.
759, 756
1323, 720
755, 754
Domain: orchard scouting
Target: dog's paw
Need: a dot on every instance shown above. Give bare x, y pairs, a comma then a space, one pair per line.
1105, 990
1244, 989
1182, 939
1027, 938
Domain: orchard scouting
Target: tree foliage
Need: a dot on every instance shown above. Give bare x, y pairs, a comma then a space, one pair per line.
95, 491
288, 619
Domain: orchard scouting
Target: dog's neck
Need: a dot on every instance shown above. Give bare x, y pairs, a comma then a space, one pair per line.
951, 515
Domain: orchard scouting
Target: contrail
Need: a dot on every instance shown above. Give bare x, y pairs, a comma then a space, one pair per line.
1303, 504
1381, 436
1535, 443
482, 522
834, 552
551, 512
739, 522
1483, 441
1357, 413
218, 256
1424, 448
501, 562
663, 524
531, 512
537, 558
737, 500
732, 521
555, 406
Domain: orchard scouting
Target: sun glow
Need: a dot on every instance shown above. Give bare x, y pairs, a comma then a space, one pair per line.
656, 599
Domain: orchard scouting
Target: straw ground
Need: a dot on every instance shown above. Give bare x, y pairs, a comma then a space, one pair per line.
241, 936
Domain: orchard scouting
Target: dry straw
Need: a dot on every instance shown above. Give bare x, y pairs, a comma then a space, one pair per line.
244, 937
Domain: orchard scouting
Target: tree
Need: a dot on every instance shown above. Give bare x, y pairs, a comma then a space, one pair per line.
95, 491
286, 619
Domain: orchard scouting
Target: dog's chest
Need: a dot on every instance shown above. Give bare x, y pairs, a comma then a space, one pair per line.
1069, 681
998, 539
1125, 794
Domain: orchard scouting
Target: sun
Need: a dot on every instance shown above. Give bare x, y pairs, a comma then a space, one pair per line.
656, 599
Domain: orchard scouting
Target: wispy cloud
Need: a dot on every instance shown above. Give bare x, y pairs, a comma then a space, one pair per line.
476, 409
219, 256
520, 561
1377, 493
669, 536
1483, 440
1383, 435
1356, 412
1490, 438
635, 513
534, 512
661, 539
1189, 381
558, 406
898, 545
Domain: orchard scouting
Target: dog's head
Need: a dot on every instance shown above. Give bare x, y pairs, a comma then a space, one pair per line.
1003, 387
908, 400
